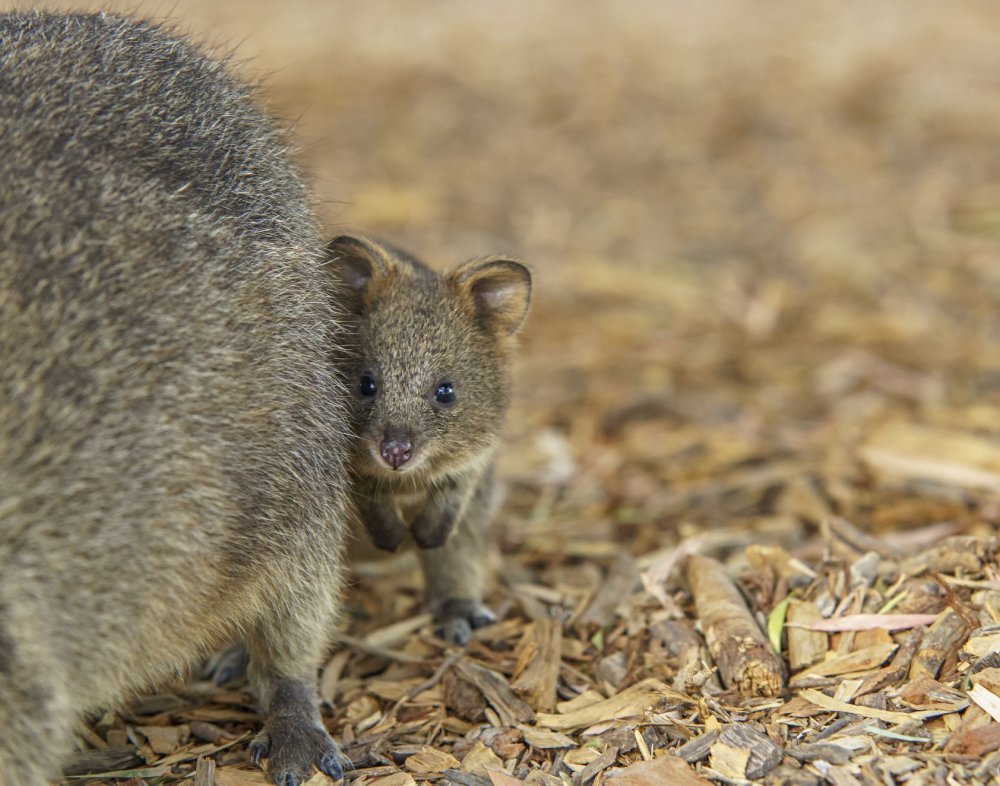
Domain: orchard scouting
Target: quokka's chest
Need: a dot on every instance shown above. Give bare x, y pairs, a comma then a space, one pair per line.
409, 503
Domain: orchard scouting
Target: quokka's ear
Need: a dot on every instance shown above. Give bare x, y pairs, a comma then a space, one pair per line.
359, 263
499, 290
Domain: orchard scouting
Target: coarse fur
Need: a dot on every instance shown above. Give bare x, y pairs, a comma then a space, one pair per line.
172, 435
420, 337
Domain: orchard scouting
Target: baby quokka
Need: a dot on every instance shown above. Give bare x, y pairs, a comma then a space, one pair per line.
430, 372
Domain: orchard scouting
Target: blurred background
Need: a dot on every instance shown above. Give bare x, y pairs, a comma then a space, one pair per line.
761, 236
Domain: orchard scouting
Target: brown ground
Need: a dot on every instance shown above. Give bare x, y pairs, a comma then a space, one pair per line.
766, 242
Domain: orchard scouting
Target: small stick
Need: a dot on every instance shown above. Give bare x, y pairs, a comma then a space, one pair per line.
429, 683
737, 644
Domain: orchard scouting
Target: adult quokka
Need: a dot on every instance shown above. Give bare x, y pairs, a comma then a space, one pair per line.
173, 439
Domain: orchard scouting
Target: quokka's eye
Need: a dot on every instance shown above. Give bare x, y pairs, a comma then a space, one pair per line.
367, 386
444, 393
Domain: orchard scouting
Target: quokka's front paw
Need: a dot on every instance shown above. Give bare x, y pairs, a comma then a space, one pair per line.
385, 536
458, 617
293, 747
431, 532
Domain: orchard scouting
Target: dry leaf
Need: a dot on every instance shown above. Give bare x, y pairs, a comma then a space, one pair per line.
833, 705
872, 622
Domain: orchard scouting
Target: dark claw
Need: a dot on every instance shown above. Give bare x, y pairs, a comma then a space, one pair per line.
258, 751
330, 764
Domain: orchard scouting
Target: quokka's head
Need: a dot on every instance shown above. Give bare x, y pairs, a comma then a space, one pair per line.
430, 358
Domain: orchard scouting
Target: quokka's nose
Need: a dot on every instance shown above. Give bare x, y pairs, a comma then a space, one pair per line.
396, 449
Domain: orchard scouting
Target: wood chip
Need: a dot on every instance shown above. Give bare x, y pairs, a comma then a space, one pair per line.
619, 585
634, 703
231, 777
982, 644
396, 779
663, 770
429, 760
805, 645
546, 739
740, 649
501, 778
536, 674
480, 759
107, 759
204, 773
511, 709
863, 659
165, 739
598, 765
821, 751
941, 639
910, 451
842, 530
975, 741
729, 761
697, 748
986, 699
763, 755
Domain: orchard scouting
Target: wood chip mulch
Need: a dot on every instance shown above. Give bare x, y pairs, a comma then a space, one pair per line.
851, 658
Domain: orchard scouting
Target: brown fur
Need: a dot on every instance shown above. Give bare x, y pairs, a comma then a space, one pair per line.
414, 330
172, 437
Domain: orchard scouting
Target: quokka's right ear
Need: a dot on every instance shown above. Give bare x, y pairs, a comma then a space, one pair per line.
499, 290
359, 263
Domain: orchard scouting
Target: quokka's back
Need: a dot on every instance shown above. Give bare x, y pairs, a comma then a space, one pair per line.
171, 434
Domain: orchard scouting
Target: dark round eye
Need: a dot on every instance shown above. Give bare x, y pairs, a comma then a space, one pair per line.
445, 393
367, 386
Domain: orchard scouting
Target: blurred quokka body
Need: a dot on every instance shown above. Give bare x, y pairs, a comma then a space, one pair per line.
430, 366
173, 438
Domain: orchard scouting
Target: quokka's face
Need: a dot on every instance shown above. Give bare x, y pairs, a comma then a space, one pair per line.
431, 357
430, 385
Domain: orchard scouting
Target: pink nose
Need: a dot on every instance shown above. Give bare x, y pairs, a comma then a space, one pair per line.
396, 450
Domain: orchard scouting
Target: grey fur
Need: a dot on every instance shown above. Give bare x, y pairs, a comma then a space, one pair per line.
172, 436
415, 329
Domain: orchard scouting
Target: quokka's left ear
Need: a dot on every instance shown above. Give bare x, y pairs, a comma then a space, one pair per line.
361, 264
498, 289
